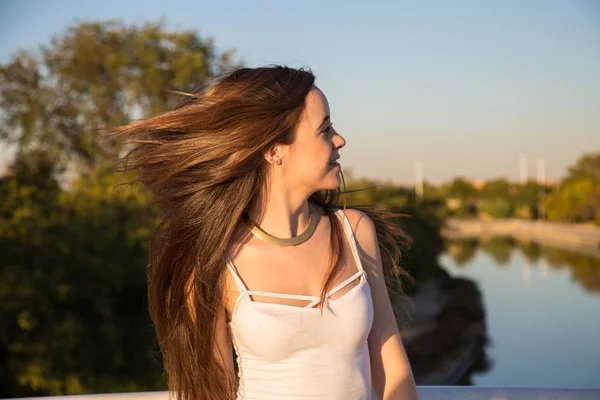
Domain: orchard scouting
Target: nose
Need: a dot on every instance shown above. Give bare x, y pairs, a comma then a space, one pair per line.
338, 141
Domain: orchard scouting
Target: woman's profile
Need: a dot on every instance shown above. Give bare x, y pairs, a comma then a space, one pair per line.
254, 260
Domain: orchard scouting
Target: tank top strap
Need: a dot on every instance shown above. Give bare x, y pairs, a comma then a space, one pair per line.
351, 238
236, 277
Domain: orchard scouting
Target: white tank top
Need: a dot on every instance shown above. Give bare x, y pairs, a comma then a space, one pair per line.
291, 352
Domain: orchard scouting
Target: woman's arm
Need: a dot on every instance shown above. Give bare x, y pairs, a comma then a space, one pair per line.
390, 370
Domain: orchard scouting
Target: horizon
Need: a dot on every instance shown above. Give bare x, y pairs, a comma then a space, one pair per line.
407, 83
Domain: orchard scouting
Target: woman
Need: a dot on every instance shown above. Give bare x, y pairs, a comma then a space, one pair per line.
254, 253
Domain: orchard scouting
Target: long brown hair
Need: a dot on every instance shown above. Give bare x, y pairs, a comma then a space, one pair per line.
203, 161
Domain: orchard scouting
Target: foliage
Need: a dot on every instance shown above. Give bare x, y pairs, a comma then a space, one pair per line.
422, 219
527, 198
577, 198
73, 290
73, 306
587, 166
496, 207
96, 75
495, 188
462, 189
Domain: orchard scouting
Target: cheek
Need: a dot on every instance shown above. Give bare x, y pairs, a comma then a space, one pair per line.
311, 160
315, 156
309, 169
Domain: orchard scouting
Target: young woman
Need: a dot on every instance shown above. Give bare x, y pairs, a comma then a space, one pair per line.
254, 253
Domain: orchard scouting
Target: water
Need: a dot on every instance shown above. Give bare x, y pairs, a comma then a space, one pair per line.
542, 312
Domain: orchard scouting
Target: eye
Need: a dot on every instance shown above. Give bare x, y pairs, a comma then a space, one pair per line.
328, 129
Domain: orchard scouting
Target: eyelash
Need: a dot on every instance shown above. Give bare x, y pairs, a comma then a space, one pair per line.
326, 130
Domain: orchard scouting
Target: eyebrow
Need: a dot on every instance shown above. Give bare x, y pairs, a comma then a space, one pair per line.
322, 126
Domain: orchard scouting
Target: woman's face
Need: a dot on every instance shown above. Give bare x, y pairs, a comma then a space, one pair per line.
310, 162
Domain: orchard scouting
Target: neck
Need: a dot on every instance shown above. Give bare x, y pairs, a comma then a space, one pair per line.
283, 213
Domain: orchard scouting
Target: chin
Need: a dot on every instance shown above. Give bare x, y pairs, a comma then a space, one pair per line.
332, 184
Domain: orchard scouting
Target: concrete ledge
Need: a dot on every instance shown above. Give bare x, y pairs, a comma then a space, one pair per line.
481, 393
425, 393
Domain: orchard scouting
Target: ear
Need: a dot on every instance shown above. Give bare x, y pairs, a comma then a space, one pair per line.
274, 155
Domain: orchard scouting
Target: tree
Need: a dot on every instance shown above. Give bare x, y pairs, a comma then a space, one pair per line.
73, 309
496, 207
422, 221
461, 189
97, 75
573, 201
587, 166
577, 197
526, 199
73, 304
496, 188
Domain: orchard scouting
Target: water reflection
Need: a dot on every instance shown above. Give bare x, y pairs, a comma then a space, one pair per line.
541, 306
446, 336
585, 269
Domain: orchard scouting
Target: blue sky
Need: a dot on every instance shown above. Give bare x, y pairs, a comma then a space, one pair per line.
466, 87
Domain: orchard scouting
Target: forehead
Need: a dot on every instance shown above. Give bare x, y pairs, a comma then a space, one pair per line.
316, 107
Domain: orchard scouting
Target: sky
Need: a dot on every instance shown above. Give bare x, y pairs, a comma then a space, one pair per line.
466, 88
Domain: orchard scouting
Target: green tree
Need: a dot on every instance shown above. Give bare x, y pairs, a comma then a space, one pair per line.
460, 197
570, 202
96, 75
587, 166
422, 220
73, 312
527, 198
462, 189
73, 306
497, 188
577, 197
496, 207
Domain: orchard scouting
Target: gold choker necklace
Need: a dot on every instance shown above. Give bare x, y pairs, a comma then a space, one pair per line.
293, 241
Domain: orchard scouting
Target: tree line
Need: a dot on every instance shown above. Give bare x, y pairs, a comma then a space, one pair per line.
574, 199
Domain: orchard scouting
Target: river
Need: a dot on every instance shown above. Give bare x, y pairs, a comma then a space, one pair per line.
542, 311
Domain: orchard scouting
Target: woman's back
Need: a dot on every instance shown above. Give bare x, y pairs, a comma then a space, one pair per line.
289, 348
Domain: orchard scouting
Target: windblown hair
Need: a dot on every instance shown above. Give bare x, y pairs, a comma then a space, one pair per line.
203, 162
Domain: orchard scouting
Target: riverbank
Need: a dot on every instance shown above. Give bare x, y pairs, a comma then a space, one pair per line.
580, 238
443, 330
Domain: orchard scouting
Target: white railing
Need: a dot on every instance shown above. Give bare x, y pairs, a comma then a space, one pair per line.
425, 393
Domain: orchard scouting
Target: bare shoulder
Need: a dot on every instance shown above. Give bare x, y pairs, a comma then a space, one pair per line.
365, 233
361, 224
